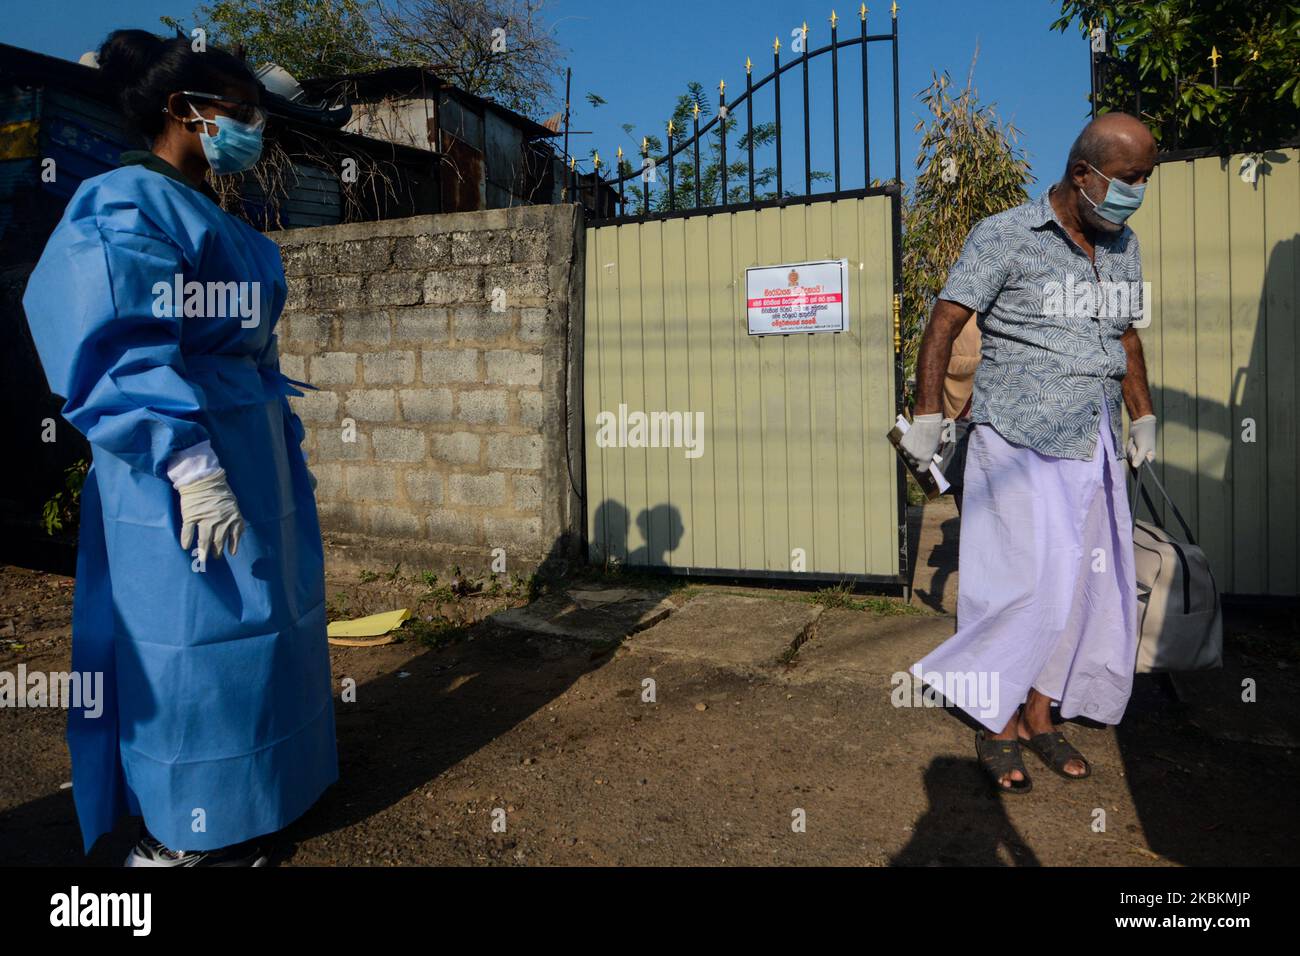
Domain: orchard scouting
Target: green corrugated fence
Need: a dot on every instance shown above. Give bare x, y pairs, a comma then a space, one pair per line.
1223, 356
795, 459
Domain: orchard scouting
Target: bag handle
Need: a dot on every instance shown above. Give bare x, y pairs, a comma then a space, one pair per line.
1187, 531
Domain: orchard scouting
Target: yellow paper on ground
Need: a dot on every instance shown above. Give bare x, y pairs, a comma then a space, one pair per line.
371, 626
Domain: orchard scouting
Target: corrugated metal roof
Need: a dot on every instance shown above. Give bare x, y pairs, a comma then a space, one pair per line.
407, 80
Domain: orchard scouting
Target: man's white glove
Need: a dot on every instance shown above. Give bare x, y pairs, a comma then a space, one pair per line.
208, 506
1142, 440
922, 440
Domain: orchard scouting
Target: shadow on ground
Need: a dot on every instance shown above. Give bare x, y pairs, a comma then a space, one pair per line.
963, 825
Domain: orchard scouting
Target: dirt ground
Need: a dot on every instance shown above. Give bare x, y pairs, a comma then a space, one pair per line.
455, 728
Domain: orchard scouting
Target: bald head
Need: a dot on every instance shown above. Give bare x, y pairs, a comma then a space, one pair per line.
1109, 137
1113, 147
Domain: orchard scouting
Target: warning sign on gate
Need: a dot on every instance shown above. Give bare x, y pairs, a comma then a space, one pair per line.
798, 297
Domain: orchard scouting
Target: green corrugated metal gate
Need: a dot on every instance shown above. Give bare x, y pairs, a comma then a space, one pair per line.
1223, 354
794, 454
796, 477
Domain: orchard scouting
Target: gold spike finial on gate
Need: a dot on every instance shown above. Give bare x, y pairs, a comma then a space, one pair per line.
1214, 57
805, 29
748, 66
776, 45
595, 159
893, 9
722, 86
696, 111
898, 326
834, 19
620, 155
671, 128
863, 13
573, 162
645, 146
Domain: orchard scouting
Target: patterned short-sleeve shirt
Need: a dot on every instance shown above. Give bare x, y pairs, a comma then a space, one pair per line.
1051, 356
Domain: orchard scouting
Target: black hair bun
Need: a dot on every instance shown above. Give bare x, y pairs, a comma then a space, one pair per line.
127, 56
143, 70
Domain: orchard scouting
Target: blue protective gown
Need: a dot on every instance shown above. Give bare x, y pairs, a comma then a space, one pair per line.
218, 723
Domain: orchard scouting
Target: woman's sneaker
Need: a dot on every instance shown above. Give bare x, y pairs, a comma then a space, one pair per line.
150, 852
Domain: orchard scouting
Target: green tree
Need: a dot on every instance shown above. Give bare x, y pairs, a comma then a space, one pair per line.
62, 511
1166, 52
969, 166
498, 49
306, 37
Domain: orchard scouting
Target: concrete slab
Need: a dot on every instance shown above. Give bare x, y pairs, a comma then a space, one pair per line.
731, 631
599, 598
863, 647
597, 616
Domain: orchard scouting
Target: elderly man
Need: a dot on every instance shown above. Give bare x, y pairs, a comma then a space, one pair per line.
1047, 601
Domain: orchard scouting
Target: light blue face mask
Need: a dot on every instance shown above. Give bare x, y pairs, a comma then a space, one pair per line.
236, 147
1121, 201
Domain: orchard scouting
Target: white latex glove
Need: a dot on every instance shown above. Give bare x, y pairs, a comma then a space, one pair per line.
195, 462
922, 439
208, 506
1142, 440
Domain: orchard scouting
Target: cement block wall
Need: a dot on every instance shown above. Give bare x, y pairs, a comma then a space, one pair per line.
447, 354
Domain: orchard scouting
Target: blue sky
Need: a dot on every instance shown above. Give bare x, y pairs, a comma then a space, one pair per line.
639, 57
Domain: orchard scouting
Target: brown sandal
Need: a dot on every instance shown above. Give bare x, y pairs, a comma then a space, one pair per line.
1054, 750
999, 758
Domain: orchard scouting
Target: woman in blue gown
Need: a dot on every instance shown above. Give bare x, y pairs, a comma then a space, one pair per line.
200, 571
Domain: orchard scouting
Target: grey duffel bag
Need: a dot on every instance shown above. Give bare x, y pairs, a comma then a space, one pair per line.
1180, 621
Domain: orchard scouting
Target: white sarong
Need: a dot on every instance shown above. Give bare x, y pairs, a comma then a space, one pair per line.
1047, 594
